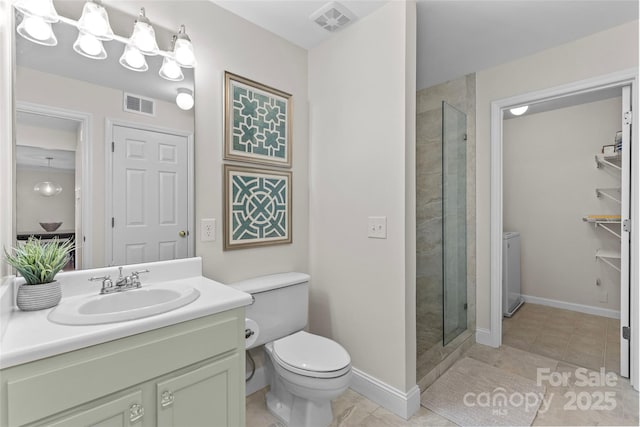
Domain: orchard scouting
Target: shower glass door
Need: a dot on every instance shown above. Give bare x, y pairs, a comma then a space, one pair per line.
454, 222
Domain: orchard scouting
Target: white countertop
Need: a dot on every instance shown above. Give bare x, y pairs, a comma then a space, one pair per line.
29, 335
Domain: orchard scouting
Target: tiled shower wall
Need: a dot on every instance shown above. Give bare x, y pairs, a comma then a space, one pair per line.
461, 94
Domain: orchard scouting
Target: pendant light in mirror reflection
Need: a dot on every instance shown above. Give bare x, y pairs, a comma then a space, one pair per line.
184, 99
48, 188
94, 28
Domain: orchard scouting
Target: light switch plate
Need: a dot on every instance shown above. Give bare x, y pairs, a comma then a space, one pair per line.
207, 229
377, 227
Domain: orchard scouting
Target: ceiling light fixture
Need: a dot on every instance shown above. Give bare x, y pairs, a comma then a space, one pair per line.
47, 188
93, 28
518, 111
184, 99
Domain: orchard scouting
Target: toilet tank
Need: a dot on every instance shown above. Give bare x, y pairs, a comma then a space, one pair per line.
280, 305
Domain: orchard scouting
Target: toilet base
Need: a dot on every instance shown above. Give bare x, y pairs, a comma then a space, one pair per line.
296, 411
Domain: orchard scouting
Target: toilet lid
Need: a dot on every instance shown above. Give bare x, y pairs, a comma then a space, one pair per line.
311, 353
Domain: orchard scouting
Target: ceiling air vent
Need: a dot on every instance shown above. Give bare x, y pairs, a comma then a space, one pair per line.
139, 104
333, 16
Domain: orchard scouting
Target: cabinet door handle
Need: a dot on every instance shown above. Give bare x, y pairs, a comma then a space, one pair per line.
166, 399
136, 412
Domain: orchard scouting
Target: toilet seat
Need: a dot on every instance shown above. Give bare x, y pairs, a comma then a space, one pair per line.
311, 355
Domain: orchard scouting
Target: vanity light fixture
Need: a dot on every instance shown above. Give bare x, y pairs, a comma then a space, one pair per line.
143, 36
94, 28
184, 99
133, 59
88, 45
170, 69
42, 9
183, 49
95, 21
37, 30
518, 111
47, 188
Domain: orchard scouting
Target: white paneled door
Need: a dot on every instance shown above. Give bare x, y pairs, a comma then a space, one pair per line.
149, 196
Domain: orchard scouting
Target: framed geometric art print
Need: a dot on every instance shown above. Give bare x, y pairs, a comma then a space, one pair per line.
257, 209
258, 122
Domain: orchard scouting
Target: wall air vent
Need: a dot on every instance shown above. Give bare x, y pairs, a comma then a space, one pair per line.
139, 104
333, 16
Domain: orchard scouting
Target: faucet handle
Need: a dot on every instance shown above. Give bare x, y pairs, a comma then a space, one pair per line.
107, 284
135, 277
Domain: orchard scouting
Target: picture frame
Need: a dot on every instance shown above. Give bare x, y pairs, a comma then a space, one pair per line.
257, 207
258, 122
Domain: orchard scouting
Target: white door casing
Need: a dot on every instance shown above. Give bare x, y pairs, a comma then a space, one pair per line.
493, 336
625, 236
149, 196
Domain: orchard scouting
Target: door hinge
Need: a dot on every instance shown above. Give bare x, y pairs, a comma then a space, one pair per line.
113, 222
627, 118
113, 147
626, 332
465, 306
626, 225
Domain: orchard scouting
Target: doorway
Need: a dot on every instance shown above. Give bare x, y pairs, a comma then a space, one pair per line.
53, 154
150, 195
628, 355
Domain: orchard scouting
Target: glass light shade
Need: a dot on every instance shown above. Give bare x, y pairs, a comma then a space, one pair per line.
184, 100
170, 70
144, 38
47, 188
133, 59
38, 8
37, 30
88, 45
519, 110
95, 21
183, 52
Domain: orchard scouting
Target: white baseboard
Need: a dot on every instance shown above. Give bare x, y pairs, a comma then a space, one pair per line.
483, 336
400, 403
588, 309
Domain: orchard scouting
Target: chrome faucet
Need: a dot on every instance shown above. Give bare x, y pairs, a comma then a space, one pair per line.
123, 283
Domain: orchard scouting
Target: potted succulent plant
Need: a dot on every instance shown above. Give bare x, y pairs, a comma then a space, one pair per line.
39, 262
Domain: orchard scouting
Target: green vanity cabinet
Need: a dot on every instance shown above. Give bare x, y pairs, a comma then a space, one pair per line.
187, 374
113, 413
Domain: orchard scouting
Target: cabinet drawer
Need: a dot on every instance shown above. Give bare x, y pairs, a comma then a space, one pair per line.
68, 380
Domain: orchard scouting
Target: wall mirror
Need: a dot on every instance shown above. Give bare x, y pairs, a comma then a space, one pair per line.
103, 154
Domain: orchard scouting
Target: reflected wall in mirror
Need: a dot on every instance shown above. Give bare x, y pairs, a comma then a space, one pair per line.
69, 110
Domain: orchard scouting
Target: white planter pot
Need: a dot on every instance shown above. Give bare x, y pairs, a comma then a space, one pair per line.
39, 297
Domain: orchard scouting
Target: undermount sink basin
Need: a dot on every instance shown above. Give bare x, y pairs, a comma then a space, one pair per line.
122, 306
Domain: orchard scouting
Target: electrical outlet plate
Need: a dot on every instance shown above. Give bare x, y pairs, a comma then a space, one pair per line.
377, 227
207, 229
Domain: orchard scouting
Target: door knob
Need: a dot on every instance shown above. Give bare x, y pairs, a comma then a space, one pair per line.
182, 233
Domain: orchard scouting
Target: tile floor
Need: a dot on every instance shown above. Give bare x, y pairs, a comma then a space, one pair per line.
583, 335
577, 338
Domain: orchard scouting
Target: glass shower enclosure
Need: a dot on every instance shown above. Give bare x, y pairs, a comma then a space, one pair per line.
454, 222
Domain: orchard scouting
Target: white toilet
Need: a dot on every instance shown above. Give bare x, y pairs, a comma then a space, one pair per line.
305, 371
